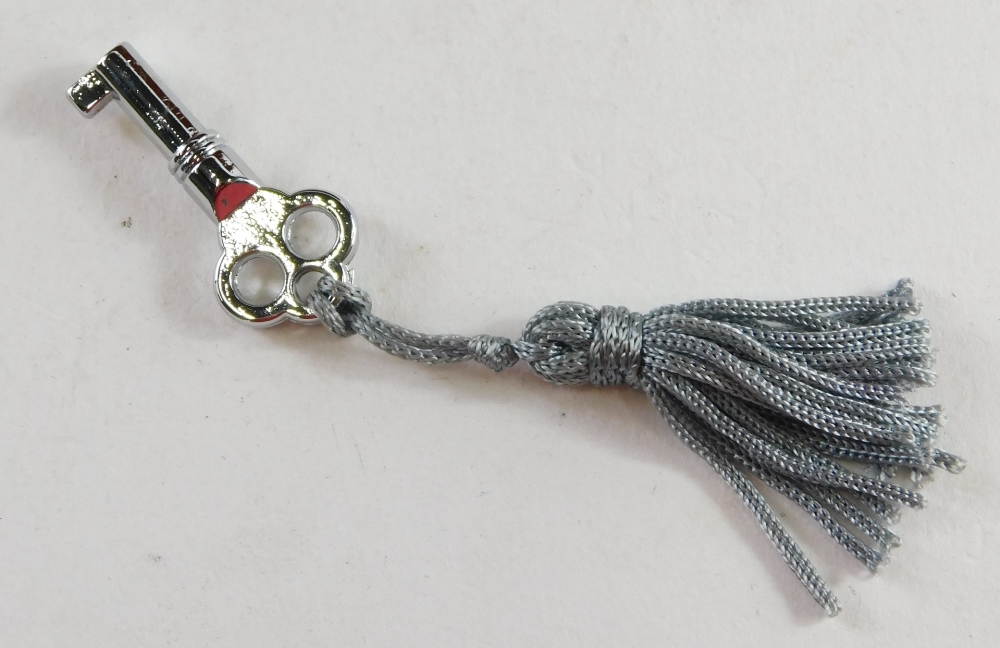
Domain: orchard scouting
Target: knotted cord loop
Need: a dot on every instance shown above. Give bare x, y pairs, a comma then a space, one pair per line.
784, 391
568, 343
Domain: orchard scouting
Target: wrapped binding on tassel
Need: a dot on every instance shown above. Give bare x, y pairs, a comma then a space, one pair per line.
791, 392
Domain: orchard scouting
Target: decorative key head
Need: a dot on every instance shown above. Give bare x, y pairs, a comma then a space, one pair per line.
255, 222
261, 226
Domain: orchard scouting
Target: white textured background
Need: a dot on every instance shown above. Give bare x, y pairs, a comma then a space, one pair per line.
171, 478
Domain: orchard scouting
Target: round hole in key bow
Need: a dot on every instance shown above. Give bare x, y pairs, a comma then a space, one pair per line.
306, 284
311, 233
258, 280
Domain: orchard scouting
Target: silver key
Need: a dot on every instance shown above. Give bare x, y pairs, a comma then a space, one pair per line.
254, 221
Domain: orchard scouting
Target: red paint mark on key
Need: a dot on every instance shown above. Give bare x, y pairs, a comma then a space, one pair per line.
229, 197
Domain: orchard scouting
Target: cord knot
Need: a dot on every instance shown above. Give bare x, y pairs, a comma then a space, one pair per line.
570, 343
495, 352
334, 302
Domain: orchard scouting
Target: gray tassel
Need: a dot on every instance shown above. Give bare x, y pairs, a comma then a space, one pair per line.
786, 391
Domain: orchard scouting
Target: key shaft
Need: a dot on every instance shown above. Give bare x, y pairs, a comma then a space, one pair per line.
199, 158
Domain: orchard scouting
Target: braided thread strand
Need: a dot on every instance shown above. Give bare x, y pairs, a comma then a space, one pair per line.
779, 390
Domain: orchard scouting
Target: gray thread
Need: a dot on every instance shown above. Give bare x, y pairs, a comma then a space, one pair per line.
780, 390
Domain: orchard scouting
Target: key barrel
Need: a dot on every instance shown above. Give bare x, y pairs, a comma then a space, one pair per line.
199, 158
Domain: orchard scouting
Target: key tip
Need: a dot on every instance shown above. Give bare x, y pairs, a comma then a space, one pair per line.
90, 93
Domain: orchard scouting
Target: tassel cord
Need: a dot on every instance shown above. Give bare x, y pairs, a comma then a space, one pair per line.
782, 391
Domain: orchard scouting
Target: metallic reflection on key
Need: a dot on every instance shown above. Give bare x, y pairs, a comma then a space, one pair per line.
254, 221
